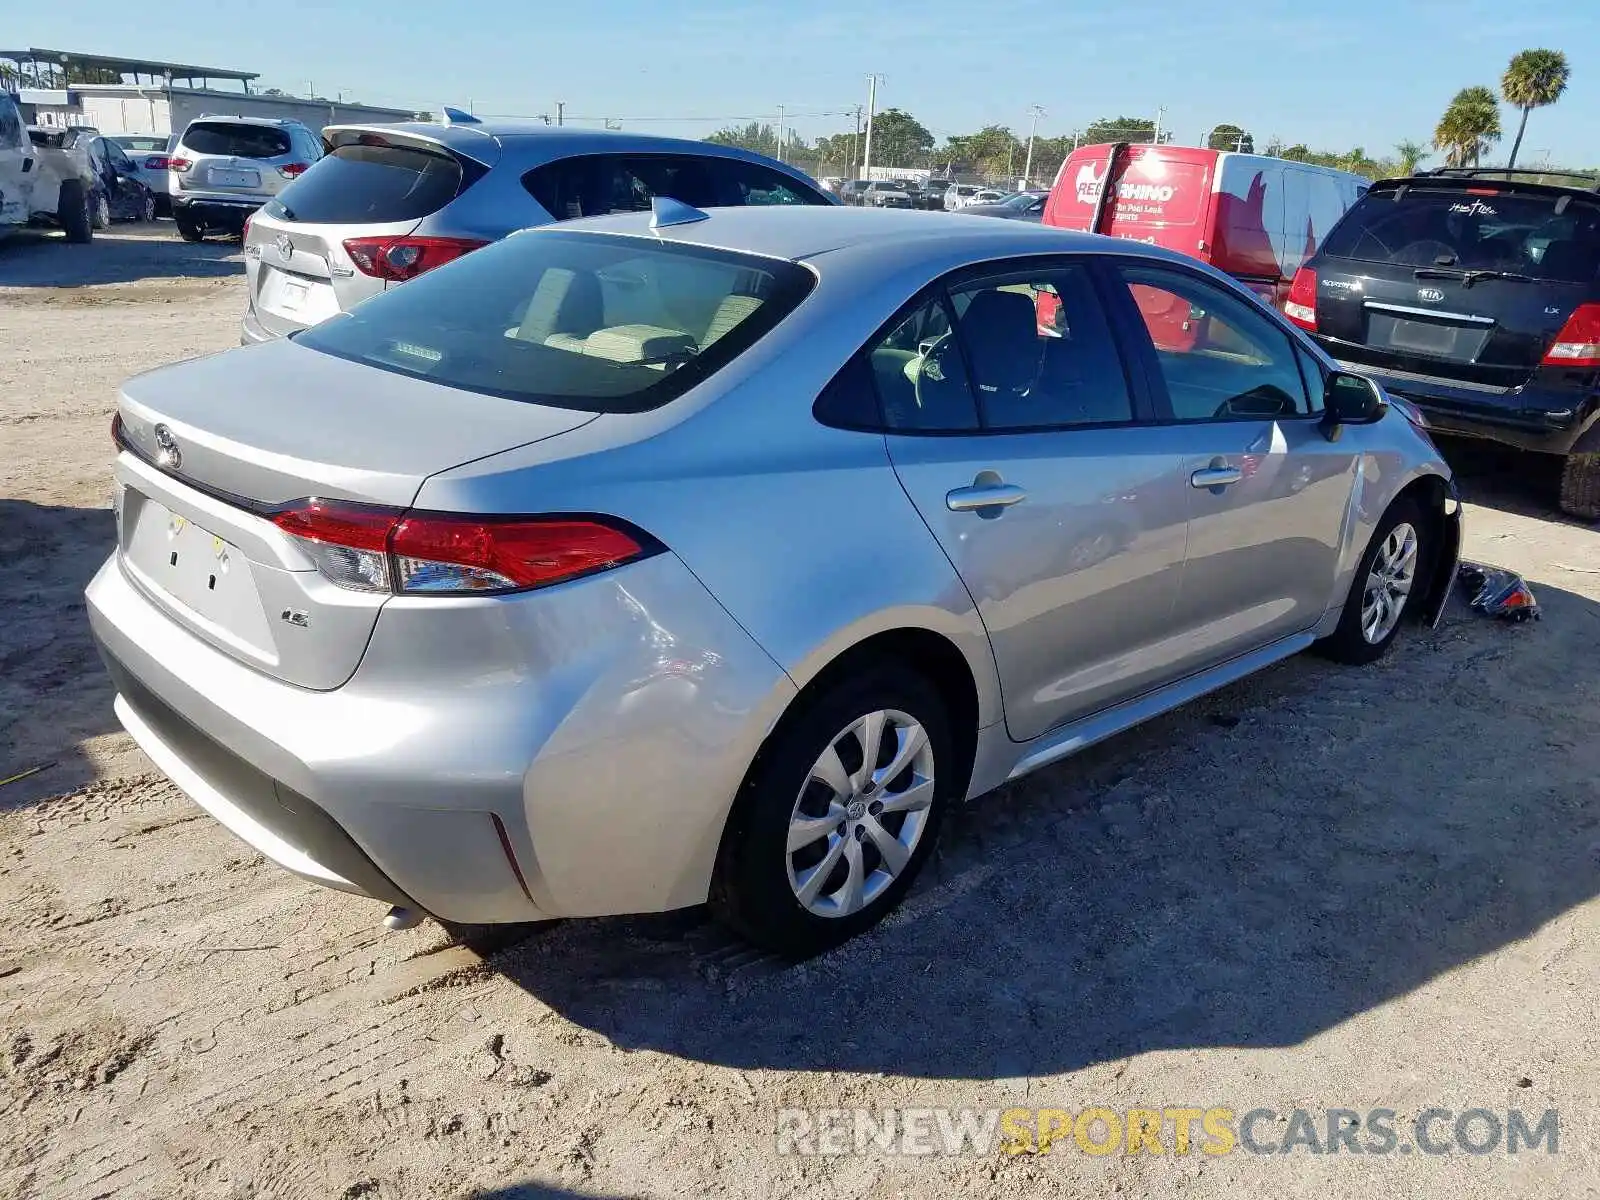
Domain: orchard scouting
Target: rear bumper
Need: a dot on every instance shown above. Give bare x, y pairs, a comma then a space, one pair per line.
251, 331
220, 210
1527, 418
564, 757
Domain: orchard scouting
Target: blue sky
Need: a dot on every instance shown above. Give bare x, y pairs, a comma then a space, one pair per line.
1332, 75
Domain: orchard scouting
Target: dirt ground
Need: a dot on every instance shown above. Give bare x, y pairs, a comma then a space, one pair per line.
1324, 887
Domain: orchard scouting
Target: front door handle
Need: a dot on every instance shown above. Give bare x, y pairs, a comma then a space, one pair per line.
1215, 477
984, 495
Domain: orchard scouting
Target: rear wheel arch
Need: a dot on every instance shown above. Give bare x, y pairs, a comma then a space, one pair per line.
930, 654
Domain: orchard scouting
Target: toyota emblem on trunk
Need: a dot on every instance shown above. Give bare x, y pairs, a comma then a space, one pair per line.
285, 247
168, 457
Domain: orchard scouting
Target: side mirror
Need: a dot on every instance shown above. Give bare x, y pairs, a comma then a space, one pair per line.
1349, 399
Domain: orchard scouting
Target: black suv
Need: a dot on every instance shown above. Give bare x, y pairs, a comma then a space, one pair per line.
1475, 294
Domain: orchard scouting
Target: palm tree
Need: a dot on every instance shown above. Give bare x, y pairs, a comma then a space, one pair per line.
1411, 155
1535, 79
1469, 127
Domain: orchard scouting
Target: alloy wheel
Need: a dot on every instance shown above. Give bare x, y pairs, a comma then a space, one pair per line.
860, 813
1389, 583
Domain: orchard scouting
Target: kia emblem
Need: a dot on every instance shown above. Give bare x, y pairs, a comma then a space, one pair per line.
1431, 295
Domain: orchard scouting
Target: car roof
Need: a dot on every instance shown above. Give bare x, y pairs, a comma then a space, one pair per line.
799, 232
270, 122
560, 140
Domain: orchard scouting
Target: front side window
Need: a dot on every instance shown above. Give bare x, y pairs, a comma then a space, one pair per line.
580, 321
11, 134
751, 183
1219, 357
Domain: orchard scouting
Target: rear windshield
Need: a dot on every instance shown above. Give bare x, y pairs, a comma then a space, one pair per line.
141, 145
235, 141
580, 321
1519, 233
361, 183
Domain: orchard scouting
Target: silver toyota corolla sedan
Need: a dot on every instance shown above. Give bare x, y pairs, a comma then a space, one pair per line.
640, 561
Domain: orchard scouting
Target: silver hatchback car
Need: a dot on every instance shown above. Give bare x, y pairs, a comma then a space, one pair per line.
390, 202
223, 168
641, 561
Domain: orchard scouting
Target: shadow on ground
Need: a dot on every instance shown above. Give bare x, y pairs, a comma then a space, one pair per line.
53, 690
124, 254
1512, 481
1257, 868
538, 1191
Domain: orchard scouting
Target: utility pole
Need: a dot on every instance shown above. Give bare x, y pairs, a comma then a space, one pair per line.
1027, 171
780, 133
561, 112
855, 142
872, 110
1160, 112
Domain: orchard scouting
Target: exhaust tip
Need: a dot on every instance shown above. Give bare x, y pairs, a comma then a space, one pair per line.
402, 918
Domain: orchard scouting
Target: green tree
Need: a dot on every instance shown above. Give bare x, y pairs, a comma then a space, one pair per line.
1534, 79
1231, 137
839, 150
1122, 129
761, 138
899, 140
1410, 156
1469, 127
1296, 153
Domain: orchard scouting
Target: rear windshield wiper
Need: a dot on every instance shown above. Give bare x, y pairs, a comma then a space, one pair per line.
1468, 278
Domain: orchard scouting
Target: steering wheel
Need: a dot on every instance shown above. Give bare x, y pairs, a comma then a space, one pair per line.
937, 382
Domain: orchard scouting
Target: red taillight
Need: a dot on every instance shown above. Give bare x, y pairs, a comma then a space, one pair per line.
1578, 343
402, 258
157, 162
179, 165
382, 549
292, 170
1301, 306
116, 430
244, 233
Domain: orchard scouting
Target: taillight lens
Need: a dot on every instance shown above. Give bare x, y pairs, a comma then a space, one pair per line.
179, 165
374, 549
292, 170
402, 258
1578, 343
157, 162
116, 430
244, 233
1301, 306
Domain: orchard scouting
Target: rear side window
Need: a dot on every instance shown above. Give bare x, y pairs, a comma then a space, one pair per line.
1513, 232
571, 320
361, 184
236, 141
751, 183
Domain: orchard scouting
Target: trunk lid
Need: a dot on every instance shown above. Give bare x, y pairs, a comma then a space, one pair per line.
372, 183
1456, 280
219, 442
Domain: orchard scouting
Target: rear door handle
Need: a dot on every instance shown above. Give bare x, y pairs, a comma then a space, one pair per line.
984, 495
1215, 477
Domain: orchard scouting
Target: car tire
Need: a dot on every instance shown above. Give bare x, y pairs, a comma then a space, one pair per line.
101, 210
189, 231
1580, 477
1389, 584
147, 211
72, 212
770, 887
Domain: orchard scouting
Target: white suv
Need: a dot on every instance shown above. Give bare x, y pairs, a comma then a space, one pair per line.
224, 168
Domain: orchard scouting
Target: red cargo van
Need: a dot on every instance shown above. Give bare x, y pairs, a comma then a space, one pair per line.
1256, 218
